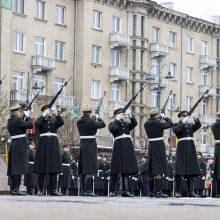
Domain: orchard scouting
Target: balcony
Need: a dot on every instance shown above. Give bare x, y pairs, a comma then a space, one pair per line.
211, 93
119, 40
207, 119
207, 62
118, 74
158, 50
155, 82
116, 104
20, 96
65, 101
42, 63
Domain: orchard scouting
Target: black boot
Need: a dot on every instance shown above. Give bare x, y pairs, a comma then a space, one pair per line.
112, 186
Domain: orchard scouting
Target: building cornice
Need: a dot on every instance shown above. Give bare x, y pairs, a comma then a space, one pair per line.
122, 4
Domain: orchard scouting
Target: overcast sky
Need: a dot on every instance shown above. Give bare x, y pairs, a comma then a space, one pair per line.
197, 8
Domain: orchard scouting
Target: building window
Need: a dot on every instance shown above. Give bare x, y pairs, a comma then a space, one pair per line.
190, 45
204, 78
134, 25
40, 81
142, 60
203, 137
18, 81
115, 92
60, 14
172, 39
59, 50
189, 75
97, 19
134, 59
154, 99
19, 6
95, 89
41, 9
116, 24
142, 25
156, 65
189, 100
115, 57
19, 42
204, 48
173, 69
40, 46
203, 107
96, 54
156, 35
218, 48
58, 83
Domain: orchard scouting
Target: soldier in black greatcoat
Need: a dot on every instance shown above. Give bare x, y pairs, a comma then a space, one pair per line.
30, 177
123, 160
187, 165
87, 165
199, 182
47, 158
65, 176
18, 153
157, 162
216, 132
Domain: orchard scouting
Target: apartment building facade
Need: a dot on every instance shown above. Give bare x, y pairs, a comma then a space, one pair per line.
113, 46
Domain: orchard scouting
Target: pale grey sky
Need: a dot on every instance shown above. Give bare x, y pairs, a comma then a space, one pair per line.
197, 8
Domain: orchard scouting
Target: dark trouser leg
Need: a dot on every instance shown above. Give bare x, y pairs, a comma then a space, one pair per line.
29, 190
218, 187
15, 182
158, 185
113, 183
64, 191
124, 183
151, 185
41, 182
53, 182
178, 182
83, 177
189, 185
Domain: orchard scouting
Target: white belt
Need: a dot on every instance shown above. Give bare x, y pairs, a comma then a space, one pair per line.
122, 136
48, 134
156, 139
217, 141
87, 137
18, 136
186, 139
31, 162
66, 164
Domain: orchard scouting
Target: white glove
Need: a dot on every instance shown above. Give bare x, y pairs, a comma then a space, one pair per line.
185, 120
97, 116
203, 178
163, 115
27, 113
54, 109
120, 116
46, 112
194, 115
128, 113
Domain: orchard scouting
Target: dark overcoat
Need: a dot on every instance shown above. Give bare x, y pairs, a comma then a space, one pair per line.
216, 132
123, 159
157, 162
88, 147
186, 157
65, 176
47, 158
18, 152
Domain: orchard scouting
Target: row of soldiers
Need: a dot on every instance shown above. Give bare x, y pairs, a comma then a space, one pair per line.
48, 161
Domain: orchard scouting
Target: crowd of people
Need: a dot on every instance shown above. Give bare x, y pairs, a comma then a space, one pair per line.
47, 170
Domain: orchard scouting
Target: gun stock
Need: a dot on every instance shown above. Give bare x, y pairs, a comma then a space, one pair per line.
100, 103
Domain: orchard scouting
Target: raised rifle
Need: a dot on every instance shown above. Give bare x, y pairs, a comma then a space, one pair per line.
133, 98
58, 93
97, 110
197, 103
1, 80
165, 104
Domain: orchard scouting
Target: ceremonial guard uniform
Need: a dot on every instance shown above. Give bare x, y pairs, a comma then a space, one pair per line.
187, 164
87, 165
216, 132
65, 176
157, 162
18, 153
47, 158
123, 160
30, 177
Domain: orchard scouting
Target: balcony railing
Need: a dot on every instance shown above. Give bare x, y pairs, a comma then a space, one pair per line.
157, 50
203, 88
20, 96
65, 101
119, 40
207, 61
118, 74
42, 63
207, 119
116, 104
